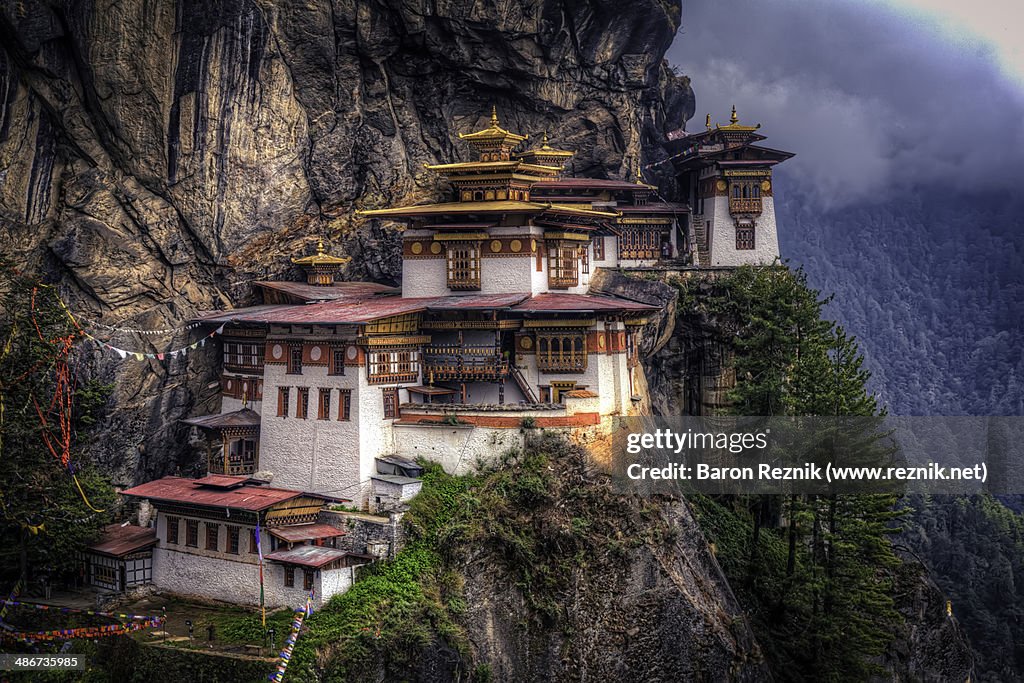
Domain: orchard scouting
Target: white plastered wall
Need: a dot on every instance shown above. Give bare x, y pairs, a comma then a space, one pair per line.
723, 235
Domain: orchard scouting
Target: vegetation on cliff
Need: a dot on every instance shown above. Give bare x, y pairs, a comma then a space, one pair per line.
815, 572
46, 517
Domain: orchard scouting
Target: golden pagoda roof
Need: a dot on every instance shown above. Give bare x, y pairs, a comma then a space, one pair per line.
734, 124
509, 206
547, 150
494, 132
321, 258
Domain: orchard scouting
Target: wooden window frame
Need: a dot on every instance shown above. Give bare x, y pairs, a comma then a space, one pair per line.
302, 403
283, 400
390, 397
338, 360
289, 577
386, 366
294, 359
563, 264
234, 539
191, 533
253, 550
324, 405
745, 238
561, 352
599, 248
213, 534
462, 265
345, 405
173, 529
307, 579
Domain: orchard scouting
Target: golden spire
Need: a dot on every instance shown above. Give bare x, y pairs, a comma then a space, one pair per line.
707, 121
639, 177
734, 119
544, 141
320, 246
494, 116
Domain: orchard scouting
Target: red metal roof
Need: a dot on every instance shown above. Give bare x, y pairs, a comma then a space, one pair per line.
591, 183
340, 312
579, 303
476, 301
245, 417
222, 481
118, 540
339, 290
655, 207
305, 532
249, 497
307, 555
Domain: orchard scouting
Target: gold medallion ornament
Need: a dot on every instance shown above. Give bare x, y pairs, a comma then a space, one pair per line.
435, 248
417, 248
766, 186
600, 342
495, 246
516, 246
721, 186
526, 342
533, 245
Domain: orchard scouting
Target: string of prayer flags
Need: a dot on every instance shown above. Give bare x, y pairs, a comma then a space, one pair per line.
155, 355
289, 643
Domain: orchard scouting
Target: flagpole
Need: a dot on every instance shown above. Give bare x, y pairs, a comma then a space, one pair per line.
259, 550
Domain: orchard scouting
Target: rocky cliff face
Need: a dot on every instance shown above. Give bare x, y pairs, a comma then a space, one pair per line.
158, 156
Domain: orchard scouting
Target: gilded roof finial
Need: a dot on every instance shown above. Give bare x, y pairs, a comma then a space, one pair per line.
639, 177
320, 246
494, 116
707, 121
734, 118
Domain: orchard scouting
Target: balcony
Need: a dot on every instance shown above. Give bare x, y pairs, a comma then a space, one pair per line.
451, 363
749, 205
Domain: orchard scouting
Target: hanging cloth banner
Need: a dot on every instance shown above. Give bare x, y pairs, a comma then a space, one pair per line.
289, 644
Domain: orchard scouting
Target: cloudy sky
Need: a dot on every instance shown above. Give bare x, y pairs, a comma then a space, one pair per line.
875, 96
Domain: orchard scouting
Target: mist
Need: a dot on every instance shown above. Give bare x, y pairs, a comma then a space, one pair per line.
872, 103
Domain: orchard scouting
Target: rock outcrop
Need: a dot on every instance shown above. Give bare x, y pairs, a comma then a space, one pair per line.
156, 157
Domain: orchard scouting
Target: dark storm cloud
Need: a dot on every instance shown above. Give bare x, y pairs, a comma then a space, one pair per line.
869, 101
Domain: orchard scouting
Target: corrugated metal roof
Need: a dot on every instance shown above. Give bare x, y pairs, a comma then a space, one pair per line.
339, 290
655, 207
307, 555
589, 183
238, 418
305, 532
249, 497
578, 303
118, 540
476, 301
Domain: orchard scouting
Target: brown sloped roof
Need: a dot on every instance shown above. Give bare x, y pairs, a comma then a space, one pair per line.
118, 540
248, 497
246, 417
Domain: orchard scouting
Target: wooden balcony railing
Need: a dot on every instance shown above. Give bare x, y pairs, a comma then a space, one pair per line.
745, 205
577, 363
464, 363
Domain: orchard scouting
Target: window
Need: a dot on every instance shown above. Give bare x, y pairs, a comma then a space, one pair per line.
192, 533
244, 356
295, 359
640, 243
324, 405
282, 401
307, 579
241, 456
599, 249
345, 405
745, 237
585, 260
252, 543
289, 577
233, 537
558, 390
212, 536
464, 265
561, 352
302, 403
563, 264
172, 530
393, 365
337, 360
390, 403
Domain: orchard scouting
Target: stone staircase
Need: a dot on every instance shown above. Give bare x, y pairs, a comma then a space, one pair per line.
700, 240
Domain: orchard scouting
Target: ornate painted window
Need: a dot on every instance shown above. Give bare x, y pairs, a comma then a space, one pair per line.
234, 533
561, 352
386, 366
599, 248
192, 533
744, 237
337, 360
563, 264
464, 265
289, 577
302, 403
243, 355
172, 530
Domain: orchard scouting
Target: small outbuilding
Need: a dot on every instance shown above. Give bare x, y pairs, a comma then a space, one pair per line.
122, 558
